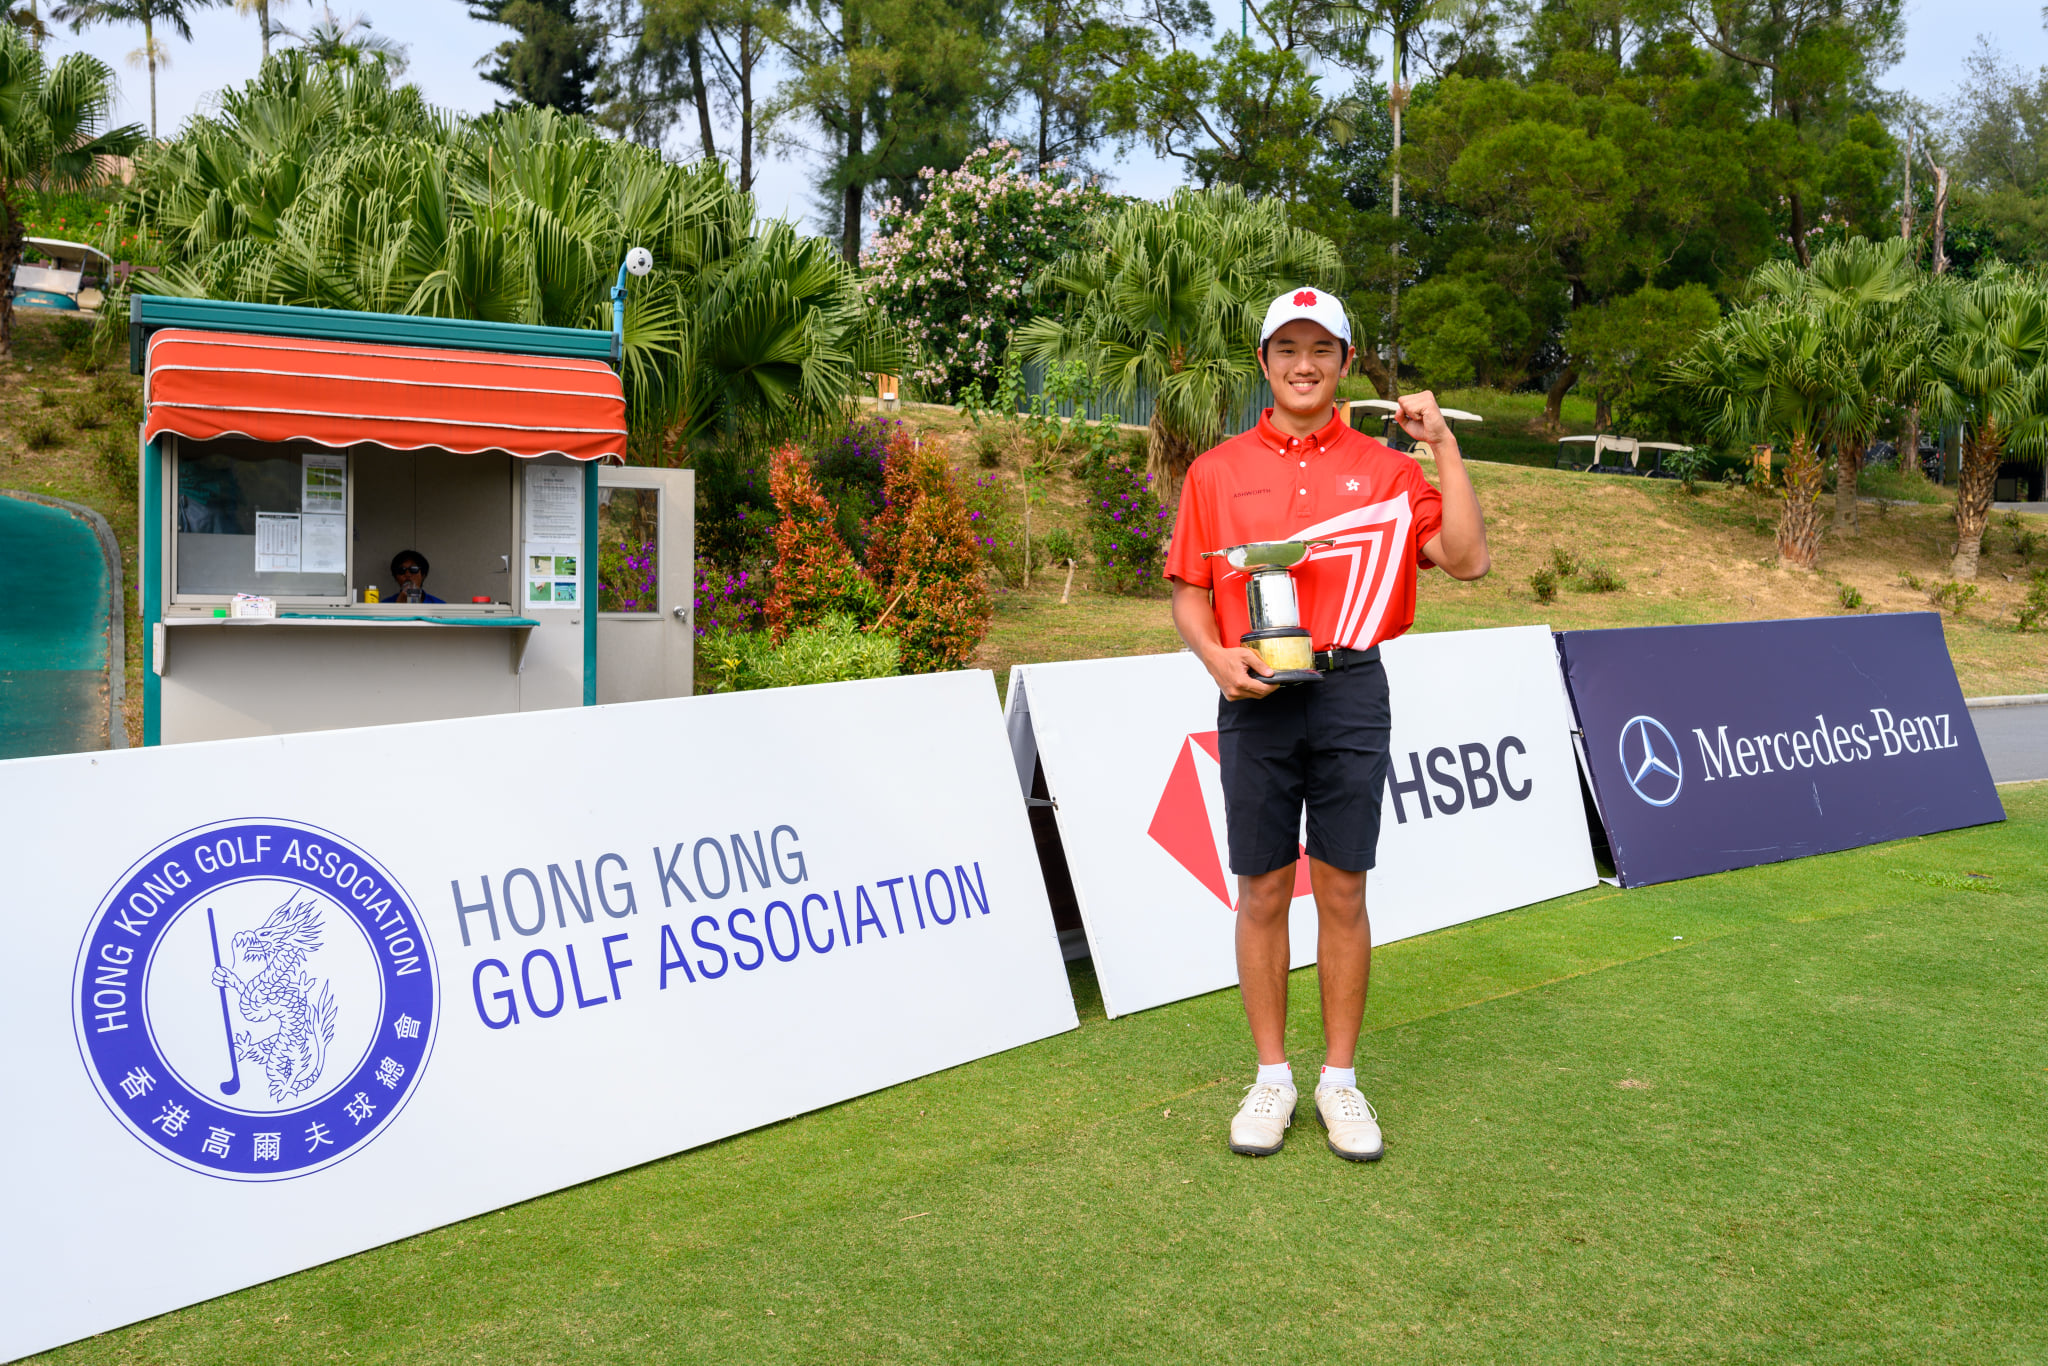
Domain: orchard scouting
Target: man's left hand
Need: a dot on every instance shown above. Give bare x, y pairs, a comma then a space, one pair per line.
1422, 419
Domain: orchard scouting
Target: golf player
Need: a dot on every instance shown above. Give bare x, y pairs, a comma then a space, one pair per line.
1303, 474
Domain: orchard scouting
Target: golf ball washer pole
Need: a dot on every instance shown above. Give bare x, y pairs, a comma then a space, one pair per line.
1276, 633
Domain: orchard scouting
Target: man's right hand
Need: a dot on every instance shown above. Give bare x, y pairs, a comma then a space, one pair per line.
1240, 673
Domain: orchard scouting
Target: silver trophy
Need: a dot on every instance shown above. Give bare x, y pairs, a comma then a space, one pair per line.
1276, 634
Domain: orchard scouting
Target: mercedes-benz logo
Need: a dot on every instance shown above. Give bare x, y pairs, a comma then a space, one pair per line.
1650, 761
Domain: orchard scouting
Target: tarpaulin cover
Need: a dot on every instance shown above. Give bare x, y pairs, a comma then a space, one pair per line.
202, 385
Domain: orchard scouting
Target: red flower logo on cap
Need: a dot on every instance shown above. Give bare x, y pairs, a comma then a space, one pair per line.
1305, 299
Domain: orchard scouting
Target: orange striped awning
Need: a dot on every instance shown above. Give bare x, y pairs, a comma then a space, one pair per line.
203, 385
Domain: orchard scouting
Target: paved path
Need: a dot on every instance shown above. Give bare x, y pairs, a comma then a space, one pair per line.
53, 632
2015, 740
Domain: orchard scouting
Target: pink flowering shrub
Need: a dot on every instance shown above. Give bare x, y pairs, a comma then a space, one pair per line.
951, 270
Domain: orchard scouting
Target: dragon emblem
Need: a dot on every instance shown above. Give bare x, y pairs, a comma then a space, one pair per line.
281, 990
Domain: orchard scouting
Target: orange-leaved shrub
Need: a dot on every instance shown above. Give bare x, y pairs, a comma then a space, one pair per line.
923, 559
816, 576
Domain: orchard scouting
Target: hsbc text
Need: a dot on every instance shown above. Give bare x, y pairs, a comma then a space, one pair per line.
1474, 775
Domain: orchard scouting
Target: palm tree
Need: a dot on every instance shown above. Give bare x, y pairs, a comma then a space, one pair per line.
1988, 369
52, 133
264, 28
152, 15
1170, 296
323, 186
1867, 291
1777, 370
333, 43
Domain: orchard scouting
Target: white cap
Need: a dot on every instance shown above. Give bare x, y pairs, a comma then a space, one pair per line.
1318, 306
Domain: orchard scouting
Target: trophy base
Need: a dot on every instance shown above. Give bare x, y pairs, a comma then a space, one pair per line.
1287, 651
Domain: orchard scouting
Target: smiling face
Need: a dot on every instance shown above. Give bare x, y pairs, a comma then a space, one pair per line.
1303, 362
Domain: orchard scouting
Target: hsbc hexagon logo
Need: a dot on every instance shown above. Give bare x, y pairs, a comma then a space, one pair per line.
1188, 822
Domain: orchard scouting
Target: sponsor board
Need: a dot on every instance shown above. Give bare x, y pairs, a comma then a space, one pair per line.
1482, 811
1722, 746
275, 1001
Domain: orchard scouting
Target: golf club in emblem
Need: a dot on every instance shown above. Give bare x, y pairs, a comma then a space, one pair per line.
1276, 632
234, 1081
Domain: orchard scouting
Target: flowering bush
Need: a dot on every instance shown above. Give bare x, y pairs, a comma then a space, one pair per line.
815, 574
924, 557
993, 524
851, 467
1127, 527
951, 270
724, 602
626, 582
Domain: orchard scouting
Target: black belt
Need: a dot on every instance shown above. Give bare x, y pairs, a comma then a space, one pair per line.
1332, 661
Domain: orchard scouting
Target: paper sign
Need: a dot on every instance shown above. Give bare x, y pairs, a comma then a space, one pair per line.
554, 536
325, 484
554, 505
277, 543
323, 542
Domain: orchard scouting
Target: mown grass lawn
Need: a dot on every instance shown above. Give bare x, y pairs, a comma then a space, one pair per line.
1790, 1114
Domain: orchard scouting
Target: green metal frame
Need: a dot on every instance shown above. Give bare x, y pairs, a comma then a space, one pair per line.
148, 313
589, 603
150, 555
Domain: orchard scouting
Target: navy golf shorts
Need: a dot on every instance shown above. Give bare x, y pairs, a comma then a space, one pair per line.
1322, 745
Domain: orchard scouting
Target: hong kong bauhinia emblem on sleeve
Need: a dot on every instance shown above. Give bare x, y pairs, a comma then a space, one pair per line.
256, 1000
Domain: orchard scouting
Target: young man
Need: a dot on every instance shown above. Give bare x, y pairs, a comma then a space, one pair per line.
1304, 474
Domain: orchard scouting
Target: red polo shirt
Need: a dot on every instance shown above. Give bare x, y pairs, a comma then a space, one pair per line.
1338, 485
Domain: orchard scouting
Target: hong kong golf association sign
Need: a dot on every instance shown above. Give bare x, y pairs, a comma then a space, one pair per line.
256, 999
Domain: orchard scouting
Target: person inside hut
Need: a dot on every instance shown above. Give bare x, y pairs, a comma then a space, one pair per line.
409, 572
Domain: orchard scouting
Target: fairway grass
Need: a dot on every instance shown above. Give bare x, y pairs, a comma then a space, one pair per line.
1789, 1114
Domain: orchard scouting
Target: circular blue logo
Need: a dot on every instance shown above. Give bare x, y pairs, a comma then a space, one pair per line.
256, 999
1650, 761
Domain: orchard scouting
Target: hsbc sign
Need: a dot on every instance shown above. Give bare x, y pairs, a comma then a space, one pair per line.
1716, 747
1481, 762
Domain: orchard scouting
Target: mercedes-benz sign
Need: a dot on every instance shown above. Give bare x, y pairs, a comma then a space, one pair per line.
1651, 761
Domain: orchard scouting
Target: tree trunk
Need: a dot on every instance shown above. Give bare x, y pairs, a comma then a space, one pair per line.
1799, 232
1553, 399
1799, 524
149, 53
1940, 220
1370, 365
1168, 455
263, 25
1044, 83
850, 205
746, 82
11, 235
1848, 466
1974, 480
1396, 98
1909, 441
701, 93
1603, 412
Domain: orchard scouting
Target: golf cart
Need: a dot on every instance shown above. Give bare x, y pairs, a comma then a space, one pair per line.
60, 280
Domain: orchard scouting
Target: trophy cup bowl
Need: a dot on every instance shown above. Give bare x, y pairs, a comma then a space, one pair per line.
1276, 633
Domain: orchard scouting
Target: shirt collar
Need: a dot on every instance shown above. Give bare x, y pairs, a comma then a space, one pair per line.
1277, 440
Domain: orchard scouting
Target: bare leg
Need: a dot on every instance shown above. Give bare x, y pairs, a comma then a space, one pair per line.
1262, 904
1343, 956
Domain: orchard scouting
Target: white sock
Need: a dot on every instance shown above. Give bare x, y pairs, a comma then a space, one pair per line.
1337, 1076
1275, 1072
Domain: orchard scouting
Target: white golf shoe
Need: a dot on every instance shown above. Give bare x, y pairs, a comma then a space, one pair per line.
1260, 1126
1353, 1128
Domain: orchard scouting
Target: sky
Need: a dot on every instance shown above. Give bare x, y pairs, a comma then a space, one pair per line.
445, 43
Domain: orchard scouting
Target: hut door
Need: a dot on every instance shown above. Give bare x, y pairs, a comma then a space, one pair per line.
646, 570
